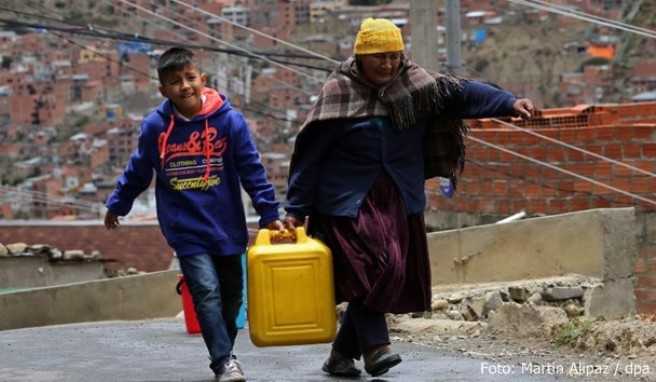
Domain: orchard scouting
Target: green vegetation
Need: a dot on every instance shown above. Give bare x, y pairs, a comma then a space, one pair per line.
572, 331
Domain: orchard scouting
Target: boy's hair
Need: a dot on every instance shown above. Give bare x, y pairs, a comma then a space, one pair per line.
173, 59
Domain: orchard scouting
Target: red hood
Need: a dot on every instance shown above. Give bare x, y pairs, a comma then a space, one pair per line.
212, 104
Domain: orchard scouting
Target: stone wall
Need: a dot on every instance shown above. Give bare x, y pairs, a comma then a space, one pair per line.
139, 245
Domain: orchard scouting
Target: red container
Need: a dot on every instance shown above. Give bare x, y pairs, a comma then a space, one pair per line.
191, 322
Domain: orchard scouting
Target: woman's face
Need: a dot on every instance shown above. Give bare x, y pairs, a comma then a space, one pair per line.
380, 68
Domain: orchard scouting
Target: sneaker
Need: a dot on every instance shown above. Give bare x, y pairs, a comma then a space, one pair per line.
380, 360
231, 372
340, 366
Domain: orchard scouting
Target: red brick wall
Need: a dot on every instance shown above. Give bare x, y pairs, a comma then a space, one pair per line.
495, 184
140, 246
500, 184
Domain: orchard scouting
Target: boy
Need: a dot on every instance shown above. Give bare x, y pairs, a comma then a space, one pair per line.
201, 151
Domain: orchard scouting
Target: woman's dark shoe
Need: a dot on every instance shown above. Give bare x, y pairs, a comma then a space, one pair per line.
340, 366
380, 360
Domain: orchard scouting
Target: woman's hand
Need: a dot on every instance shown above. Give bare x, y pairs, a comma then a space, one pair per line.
524, 107
111, 220
291, 222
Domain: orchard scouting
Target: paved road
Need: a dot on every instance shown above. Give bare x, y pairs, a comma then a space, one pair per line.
160, 351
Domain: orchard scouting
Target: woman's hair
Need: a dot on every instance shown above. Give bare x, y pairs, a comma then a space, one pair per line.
174, 59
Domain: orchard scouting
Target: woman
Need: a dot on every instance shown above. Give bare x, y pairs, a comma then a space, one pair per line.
381, 126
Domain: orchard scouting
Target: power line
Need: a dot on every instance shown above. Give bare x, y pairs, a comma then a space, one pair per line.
217, 39
135, 36
564, 144
117, 36
146, 39
42, 197
250, 55
552, 9
556, 168
588, 18
531, 180
105, 56
255, 31
574, 11
286, 84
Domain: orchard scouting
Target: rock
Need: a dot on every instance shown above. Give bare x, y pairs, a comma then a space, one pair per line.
526, 319
610, 345
518, 294
73, 254
454, 315
611, 300
39, 249
455, 299
55, 254
562, 293
435, 327
650, 341
468, 314
4, 252
572, 310
536, 298
440, 304
16, 248
492, 301
477, 308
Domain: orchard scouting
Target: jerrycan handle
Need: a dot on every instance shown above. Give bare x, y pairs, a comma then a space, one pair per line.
264, 236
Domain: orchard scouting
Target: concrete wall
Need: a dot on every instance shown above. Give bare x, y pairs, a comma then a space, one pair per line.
645, 267
599, 243
139, 245
602, 243
126, 298
37, 271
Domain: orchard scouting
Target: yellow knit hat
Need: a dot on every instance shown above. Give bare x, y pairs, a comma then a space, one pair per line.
378, 36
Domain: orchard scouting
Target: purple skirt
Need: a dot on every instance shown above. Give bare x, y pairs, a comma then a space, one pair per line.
381, 256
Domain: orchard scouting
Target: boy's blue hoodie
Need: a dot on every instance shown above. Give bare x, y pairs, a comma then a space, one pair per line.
199, 165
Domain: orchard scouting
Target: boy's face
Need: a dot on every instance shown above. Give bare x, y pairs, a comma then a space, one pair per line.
183, 87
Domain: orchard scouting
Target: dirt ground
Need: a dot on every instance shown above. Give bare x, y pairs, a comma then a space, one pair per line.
562, 344
544, 354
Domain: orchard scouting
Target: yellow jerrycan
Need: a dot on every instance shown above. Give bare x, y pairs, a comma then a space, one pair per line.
291, 298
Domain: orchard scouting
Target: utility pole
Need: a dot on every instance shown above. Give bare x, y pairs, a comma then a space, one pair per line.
453, 36
423, 21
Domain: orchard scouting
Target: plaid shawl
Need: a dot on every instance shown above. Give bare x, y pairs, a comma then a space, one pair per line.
412, 94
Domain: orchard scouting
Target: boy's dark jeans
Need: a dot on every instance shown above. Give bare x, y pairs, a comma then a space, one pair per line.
361, 331
215, 283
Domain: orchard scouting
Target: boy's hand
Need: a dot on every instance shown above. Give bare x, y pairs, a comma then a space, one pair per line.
279, 234
524, 108
111, 220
